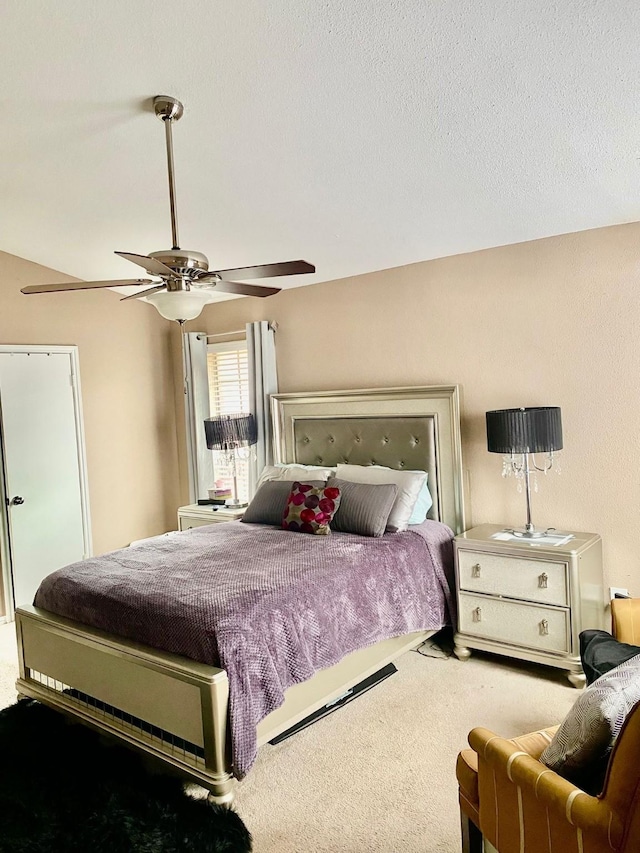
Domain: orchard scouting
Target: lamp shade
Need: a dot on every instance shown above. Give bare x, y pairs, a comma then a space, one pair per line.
180, 304
534, 430
226, 432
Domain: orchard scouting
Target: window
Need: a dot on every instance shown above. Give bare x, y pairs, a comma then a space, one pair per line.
228, 370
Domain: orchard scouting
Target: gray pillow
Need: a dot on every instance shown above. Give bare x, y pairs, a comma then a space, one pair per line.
364, 507
581, 747
409, 485
269, 502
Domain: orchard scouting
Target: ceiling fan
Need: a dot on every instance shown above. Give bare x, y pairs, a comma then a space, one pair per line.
187, 283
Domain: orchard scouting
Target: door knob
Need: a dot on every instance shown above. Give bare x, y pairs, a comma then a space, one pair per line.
16, 501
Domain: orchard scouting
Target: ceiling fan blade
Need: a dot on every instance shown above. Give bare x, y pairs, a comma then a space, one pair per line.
266, 270
152, 266
144, 292
243, 289
81, 285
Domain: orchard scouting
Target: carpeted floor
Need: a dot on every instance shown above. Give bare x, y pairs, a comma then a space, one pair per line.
379, 775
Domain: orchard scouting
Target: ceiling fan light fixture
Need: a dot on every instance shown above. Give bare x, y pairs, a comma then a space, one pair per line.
179, 304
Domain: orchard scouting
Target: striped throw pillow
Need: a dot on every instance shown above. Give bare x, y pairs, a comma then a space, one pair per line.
581, 747
364, 507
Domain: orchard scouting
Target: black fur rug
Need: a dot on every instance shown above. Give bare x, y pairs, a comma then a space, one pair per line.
62, 788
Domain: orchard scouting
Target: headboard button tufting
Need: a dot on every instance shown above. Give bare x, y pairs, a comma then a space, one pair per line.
406, 442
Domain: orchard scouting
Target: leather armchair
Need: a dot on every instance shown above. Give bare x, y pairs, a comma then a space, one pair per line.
509, 798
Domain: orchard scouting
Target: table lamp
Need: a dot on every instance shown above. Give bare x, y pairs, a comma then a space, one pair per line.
518, 434
229, 433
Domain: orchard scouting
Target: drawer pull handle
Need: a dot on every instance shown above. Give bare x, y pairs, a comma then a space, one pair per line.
544, 628
477, 614
475, 570
543, 580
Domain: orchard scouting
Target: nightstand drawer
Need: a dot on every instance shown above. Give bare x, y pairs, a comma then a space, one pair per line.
529, 625
195, 515
513, 577
189, 523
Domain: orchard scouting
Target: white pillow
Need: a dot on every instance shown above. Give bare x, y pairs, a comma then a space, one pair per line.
294, 472
409, 484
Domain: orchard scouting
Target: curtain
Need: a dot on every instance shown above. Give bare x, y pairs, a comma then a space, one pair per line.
263, 381
196, 409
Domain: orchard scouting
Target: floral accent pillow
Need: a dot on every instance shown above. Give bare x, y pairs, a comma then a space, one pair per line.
309, 509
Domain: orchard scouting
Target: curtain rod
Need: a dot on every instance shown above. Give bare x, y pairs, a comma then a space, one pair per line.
273, 326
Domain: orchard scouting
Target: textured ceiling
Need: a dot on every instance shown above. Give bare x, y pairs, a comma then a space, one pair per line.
357, 134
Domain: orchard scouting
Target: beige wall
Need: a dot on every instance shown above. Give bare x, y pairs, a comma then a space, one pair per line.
126, 376
550, 322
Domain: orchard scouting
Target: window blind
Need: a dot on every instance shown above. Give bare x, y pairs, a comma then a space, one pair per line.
228, 371
228, 379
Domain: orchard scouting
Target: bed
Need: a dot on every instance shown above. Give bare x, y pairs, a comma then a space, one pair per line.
177, 708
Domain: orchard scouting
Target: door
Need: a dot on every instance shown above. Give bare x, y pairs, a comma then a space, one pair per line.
46, 516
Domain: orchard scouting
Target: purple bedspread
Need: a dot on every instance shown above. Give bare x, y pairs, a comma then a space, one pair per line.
269, 606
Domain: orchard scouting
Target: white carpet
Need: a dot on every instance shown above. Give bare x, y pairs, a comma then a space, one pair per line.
379, 775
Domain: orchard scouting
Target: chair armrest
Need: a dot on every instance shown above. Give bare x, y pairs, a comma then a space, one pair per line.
518, 795
625, 620
533, 743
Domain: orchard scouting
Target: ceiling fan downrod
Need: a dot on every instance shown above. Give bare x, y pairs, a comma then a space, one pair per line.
170, 109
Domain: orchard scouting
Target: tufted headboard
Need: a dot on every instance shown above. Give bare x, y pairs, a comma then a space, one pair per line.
403, 428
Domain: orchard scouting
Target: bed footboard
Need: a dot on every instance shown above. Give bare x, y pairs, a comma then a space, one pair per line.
170, 707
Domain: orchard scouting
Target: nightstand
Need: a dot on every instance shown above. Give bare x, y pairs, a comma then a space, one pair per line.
196, 515
528, 600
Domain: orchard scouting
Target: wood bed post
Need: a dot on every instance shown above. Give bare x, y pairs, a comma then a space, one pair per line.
217, 749
22, 670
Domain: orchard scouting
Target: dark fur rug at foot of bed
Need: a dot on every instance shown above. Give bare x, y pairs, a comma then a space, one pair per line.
63, 789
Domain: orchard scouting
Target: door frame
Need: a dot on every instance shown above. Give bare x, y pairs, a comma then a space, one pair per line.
5, 533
